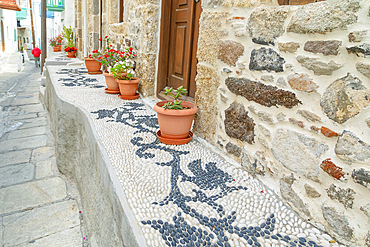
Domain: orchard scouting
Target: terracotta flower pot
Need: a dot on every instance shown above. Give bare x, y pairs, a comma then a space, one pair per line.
128, 87
59, 47
56, 48
93, 66
111, 82
175, 124
71, 54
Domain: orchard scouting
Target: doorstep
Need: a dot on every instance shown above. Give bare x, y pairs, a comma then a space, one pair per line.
137, 191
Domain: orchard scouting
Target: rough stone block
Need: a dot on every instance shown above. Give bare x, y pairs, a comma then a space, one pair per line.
31, 108
268, 78
351, 149
266, 59
253, 164
296, 122
312, 117
318, 67
324, 16
330, 168
311, 191
338, 222
42, 153
238, 124
229, 51
266, 24
363, 50
328, 132
34, 122
357, 36
281, 82
327, 47
280, 117
264, 130
361, 177
29, 195
42, 222
290, 47
233, 149
265, 95
265, 117
45, 168
344, 196
302, 82
15, 157
292, 198
363, 68
16, 174
298, 152
345, 98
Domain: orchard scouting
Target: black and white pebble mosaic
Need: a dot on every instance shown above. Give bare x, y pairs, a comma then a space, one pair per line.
186, 195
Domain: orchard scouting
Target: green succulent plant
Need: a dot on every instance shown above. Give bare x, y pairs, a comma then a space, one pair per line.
176, 104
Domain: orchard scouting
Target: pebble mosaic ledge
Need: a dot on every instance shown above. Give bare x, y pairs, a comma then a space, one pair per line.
182, 195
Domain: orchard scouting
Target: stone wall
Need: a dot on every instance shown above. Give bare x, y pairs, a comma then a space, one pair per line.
285, 91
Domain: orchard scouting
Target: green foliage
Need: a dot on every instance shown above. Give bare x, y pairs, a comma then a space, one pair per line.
122, 70
68, 34
176, 104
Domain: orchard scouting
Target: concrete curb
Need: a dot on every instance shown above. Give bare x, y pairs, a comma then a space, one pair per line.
81, 155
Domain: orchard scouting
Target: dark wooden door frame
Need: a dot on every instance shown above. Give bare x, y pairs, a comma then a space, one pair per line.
164, 42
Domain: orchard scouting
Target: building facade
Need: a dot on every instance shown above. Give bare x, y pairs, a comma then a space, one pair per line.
282, 89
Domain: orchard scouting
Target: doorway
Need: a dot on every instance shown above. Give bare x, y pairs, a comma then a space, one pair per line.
2, 36
179, 30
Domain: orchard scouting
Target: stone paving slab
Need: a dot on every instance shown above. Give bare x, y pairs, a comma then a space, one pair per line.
45, 168
34, 122
32, 194
42, 153
68, 238
15, 174
31, 108
15, 157
25, 101
23, 143
27, 132
41, 223
182, 195
22, 116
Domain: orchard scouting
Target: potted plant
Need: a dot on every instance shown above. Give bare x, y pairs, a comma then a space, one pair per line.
53, 43
123, 72
71, 51
108, 58
59, 40
175, 118
70, 46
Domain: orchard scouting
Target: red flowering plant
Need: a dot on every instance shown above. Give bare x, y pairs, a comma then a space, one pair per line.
70, 49
59, 39
53, 42
109, 57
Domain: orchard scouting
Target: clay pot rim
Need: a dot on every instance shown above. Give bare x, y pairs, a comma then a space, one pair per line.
171, 112
133, 80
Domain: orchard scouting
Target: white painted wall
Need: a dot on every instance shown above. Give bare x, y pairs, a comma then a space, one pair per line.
10, 24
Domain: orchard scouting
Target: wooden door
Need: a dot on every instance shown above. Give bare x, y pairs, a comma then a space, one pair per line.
2, 36
179, 37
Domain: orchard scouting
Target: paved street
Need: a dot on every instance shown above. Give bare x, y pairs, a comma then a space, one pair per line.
38, 205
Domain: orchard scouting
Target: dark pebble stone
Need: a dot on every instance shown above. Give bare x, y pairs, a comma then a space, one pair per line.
273, 221
250, 242
272, 216
168, 243
169, 239
226, 238
208, 239
257, 234
245, 237
173, 243
285, 240
267, 227
292, 244
268, 222
227, 245
302, 240
211, 235
258, 228
186, 234
182, 241
164, 237
254, 239
262, 234
193, 237
236, 228
161, 230
311, 243
263, 225
257, 244
279, 235
230, 231
274, 237
287, 237
192, 215
197, 244
250, 228
154, 222
149, 222
197, 234
221, 234
240, 234
219, 243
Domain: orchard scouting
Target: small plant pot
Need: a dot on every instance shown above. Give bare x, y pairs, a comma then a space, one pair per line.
93, 66
71, 54
112, 85
175, 124
128, 87
56, 48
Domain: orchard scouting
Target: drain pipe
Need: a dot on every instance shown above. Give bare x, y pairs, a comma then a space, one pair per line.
85, 28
